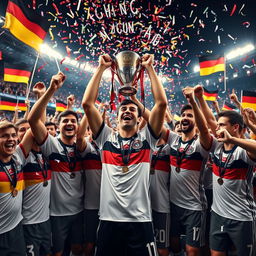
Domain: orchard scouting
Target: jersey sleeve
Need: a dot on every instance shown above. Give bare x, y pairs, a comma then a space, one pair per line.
102, 135
49, 145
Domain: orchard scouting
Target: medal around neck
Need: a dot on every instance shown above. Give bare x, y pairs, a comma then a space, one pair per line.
220, 181
72, 175
45, 183
177, 169
15, 192
125, 169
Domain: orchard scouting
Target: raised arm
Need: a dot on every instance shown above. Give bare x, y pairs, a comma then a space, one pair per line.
80, 138
211, 120
248, 145
90, 95
156, 118
233, 97
204, 134
37, 125
249, 117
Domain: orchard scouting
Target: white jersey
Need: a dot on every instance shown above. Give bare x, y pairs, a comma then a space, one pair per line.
159, 179
36, 196
234, 198
124, 194
10, 207
93, 168
66, 190
186, 182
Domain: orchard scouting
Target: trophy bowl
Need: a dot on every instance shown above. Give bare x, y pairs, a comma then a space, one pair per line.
127, 64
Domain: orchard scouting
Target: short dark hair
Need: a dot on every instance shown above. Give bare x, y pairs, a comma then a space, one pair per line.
127, 102
66, 113
51, 123
21, 121
185, 107
233, 118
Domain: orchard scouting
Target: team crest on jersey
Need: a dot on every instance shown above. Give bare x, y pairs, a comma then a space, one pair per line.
190, 150
137, 144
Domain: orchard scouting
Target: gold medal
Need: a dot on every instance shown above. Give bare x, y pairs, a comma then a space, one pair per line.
15, 192
177, 169
125, 169
220, 181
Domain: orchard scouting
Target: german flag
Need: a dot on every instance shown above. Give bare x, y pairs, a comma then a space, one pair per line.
249, 99
16, 73
25, 24
10, 104
210, 95
60, 106
228, 106
211, 64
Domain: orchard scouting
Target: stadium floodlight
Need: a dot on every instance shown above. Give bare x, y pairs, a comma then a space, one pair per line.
1, 20
235, 75
196, 68
240, 51
46, 49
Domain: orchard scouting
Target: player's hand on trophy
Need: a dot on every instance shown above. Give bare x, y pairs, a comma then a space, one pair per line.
147, 60
105, 61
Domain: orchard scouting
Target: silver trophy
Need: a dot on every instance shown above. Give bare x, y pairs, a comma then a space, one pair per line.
127, 66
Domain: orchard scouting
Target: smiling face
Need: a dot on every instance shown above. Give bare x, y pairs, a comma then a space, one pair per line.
187, 121
224, 123
128, 116
68, 126
22, 128
8, 142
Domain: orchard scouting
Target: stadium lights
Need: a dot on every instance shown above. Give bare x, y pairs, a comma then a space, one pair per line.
196, 68
44, 48
235, 75
240, 51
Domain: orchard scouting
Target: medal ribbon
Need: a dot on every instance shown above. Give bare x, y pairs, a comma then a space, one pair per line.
180, 156
43, 167
12, 178
155, 158
126, 154
71, 164
222, 170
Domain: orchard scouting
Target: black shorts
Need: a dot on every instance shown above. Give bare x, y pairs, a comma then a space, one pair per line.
125, 238
190, 223
161, 223
91, 223
12, 242
38, 238
64, 227
226, 231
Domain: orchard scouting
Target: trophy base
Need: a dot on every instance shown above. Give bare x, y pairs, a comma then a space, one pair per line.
127, 91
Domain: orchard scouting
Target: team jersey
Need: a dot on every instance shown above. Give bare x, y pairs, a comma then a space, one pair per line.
160, 179
234, 198
186, 184
66, 184
92, 167
10, 206
36, 196
124, 194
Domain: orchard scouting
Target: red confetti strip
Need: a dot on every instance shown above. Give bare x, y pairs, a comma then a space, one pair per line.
56, 8
79, 57
233, 10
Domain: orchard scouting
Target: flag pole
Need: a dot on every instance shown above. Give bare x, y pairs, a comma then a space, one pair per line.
58, 66
32, 76
225, 74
